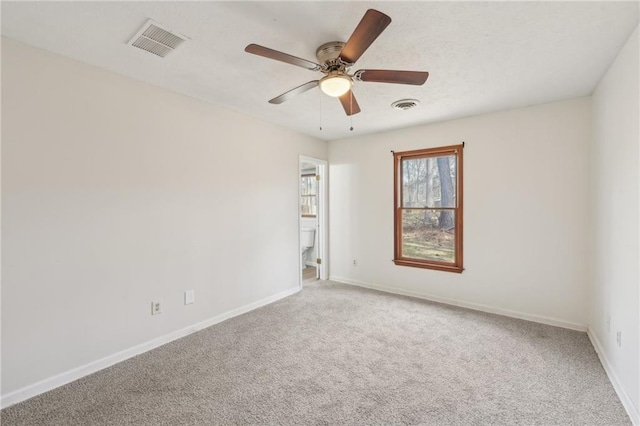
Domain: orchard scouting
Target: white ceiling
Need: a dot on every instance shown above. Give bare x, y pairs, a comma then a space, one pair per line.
481, 56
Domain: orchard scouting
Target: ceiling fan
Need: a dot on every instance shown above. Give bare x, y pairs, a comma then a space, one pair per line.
335, 58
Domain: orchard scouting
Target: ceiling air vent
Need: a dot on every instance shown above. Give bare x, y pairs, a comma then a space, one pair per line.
157, 40
405, 104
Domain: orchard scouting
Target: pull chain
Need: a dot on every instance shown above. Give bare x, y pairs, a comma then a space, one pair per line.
320, 92
351, 109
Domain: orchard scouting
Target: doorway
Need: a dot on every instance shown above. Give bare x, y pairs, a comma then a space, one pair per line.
312, 219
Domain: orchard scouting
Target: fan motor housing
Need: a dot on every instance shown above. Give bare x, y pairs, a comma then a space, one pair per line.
328, 53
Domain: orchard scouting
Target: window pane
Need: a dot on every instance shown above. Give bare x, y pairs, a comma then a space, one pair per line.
309, 206
414, 179
429, 235
429, 182
308, 185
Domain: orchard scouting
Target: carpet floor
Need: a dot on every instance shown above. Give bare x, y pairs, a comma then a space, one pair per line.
338, 354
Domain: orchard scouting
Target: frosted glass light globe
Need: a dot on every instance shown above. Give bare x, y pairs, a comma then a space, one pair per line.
335, 85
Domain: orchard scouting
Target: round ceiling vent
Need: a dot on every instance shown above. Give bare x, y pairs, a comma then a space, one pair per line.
405, 104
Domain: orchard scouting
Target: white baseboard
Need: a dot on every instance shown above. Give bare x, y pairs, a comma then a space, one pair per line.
94, 366
463, 304
632, 411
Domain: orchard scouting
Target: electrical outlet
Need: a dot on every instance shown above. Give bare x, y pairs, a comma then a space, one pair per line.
156, 307
355, 262
619, 338
609, 323
189, 297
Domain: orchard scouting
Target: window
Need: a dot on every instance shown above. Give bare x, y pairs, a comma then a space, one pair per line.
308, 195
428, 208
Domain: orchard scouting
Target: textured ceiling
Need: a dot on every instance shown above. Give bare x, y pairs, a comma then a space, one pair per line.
482, 56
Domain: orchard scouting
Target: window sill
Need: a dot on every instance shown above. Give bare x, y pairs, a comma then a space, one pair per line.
424, 265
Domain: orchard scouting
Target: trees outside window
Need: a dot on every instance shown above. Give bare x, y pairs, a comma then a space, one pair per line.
428, 208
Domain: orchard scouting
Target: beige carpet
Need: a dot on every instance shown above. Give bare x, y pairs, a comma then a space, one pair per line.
336, 354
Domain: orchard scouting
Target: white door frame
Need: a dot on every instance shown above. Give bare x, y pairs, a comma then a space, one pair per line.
323, 213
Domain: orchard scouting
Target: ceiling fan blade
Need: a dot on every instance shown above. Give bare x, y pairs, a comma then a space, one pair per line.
416, 78
283, 57
369, 28
294, 92
349, 103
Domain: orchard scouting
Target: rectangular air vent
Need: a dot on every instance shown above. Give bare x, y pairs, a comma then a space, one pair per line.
157, 40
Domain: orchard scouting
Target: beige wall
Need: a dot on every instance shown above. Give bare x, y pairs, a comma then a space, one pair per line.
116, 193
615, 297
525, 212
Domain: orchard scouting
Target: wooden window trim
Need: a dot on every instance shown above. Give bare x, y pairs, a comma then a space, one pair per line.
398, 259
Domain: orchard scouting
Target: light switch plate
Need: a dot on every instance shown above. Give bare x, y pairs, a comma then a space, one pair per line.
189, 297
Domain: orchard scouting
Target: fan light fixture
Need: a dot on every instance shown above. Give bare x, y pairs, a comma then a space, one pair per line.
335, 58
336, 85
